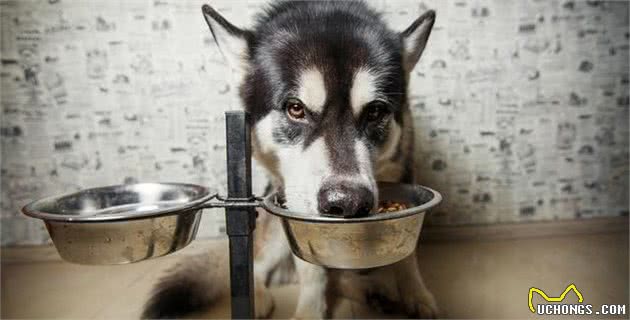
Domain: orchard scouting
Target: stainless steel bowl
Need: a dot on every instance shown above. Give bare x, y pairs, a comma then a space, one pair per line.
356, 243
123, 223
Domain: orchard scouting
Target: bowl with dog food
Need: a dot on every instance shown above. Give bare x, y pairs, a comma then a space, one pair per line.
123, 223
384, 237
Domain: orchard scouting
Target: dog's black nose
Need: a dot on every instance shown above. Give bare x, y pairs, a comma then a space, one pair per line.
345, 200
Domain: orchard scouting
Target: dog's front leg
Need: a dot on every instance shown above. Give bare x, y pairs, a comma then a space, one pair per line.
312, 299
275, 249
414, 294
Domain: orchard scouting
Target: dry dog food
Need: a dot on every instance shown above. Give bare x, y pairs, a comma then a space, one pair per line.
390, 206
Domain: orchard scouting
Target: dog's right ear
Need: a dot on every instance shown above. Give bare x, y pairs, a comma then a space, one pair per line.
231, 40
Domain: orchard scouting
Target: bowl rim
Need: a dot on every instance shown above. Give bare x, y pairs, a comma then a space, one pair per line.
32, 210
271, 207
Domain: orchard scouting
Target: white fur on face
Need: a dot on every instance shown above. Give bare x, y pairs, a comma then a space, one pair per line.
363, 90
312, 89
264, 133
304, 172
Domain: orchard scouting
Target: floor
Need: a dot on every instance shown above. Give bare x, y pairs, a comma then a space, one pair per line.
470, 279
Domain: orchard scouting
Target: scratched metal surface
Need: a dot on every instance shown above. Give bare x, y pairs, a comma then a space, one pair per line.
521, 106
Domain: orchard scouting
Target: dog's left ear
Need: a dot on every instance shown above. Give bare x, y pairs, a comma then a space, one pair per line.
415, 39
231, 40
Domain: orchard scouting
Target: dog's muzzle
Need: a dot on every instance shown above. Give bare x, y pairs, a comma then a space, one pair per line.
345, 200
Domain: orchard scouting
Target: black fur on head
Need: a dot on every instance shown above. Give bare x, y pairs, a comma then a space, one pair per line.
336, 36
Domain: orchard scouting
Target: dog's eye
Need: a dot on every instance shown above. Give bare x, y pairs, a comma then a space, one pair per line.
376, 111
295, 109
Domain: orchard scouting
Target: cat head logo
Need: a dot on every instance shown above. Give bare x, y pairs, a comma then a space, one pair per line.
553, 299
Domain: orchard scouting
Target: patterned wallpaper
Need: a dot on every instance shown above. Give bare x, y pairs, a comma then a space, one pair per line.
521, 106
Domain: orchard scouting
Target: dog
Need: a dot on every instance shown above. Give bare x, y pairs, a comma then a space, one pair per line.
325, 84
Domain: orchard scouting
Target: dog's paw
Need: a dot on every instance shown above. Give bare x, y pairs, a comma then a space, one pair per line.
424, 307
263, 302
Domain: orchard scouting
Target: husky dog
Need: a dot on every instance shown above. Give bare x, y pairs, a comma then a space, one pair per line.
325, 84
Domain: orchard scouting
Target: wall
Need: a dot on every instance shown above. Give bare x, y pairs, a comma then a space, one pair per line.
521, 106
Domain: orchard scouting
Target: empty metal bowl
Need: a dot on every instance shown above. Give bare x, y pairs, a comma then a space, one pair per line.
123, 223
357, 243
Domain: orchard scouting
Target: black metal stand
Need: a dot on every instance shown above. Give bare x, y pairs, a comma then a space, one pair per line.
240, 221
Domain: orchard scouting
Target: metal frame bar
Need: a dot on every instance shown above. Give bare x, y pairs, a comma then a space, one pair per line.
229, 204
240, 219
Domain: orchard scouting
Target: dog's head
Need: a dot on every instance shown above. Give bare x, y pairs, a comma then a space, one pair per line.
326, 86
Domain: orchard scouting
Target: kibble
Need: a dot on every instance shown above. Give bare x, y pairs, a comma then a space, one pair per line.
390, 206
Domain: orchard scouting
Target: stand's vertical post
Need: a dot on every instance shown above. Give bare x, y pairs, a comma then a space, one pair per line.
240, 222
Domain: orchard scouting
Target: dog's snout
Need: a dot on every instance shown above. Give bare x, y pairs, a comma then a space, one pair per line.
345, 200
